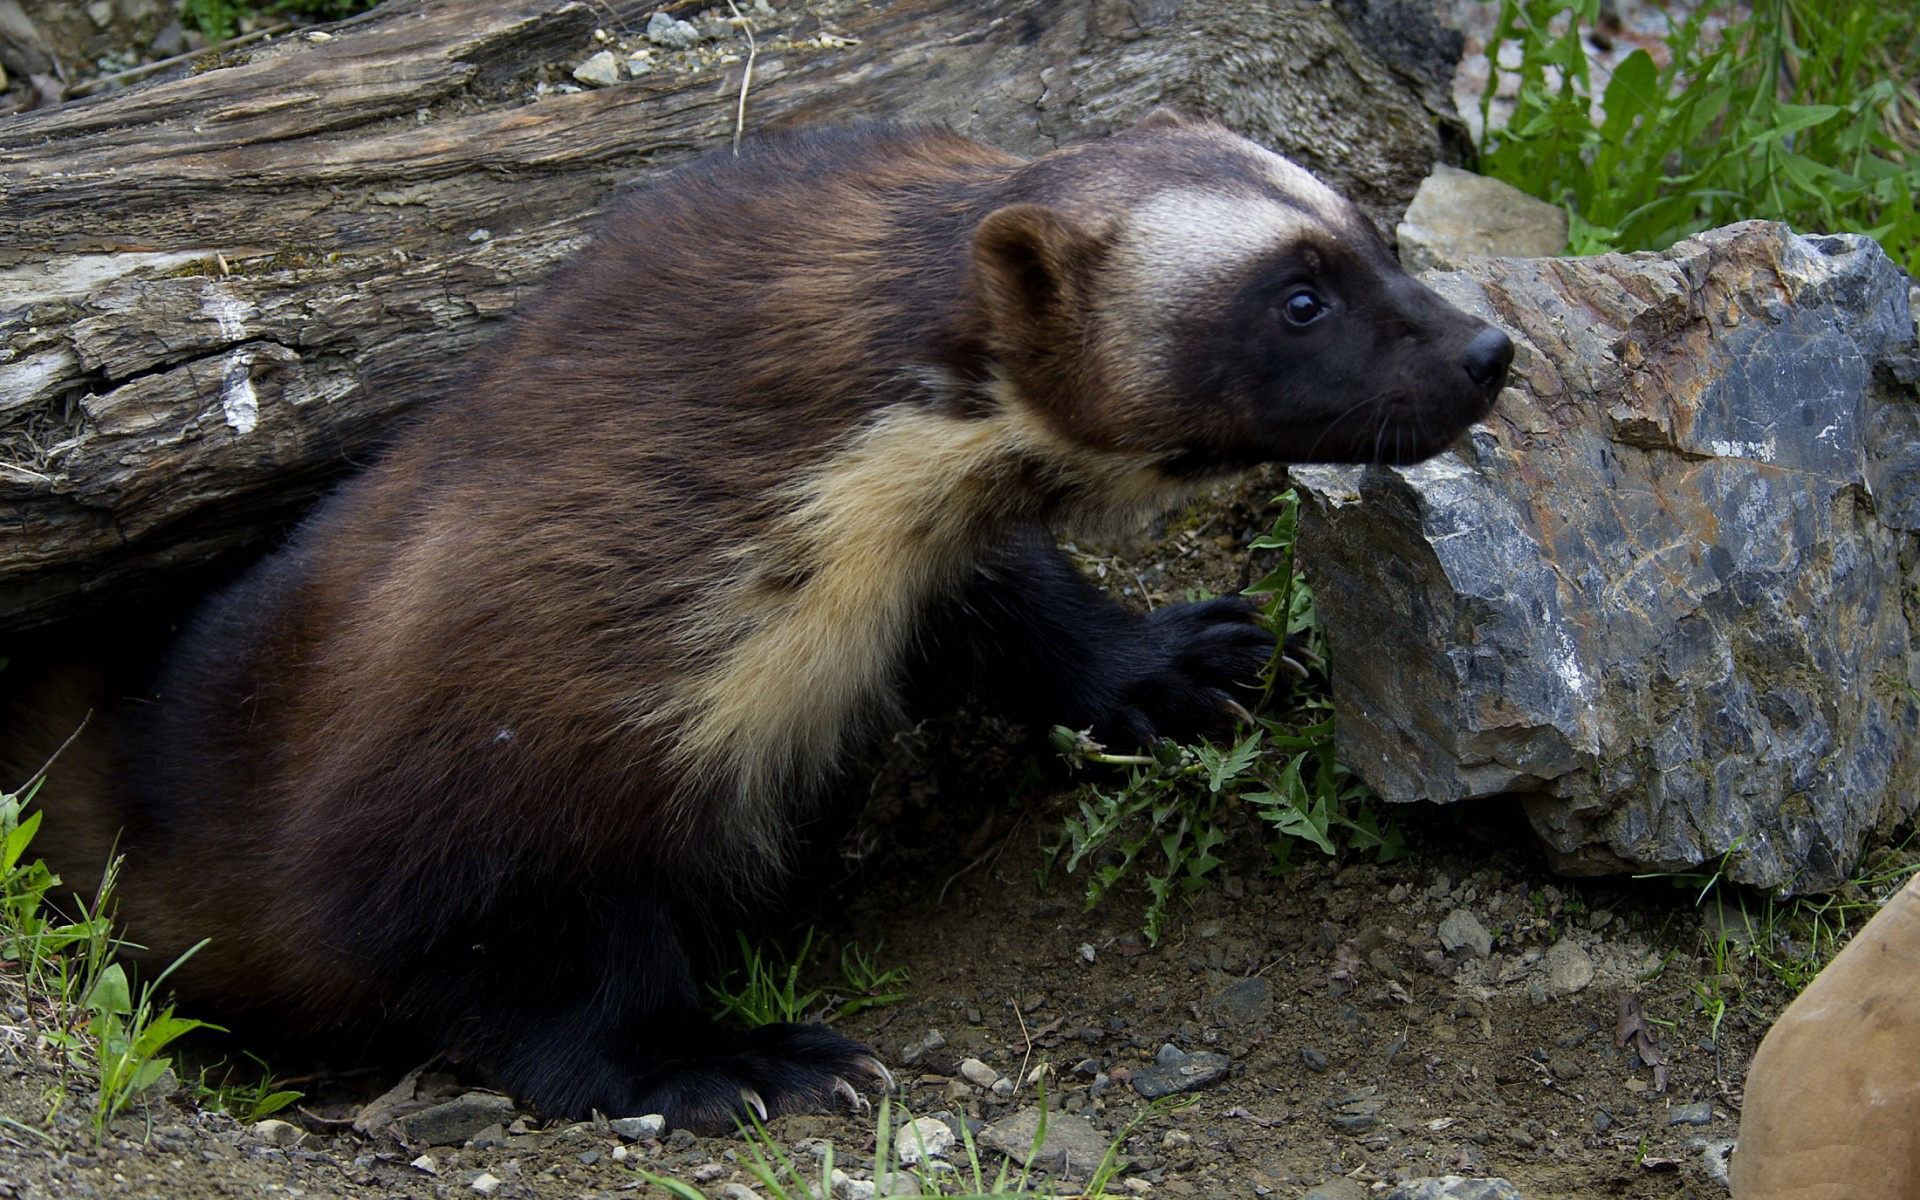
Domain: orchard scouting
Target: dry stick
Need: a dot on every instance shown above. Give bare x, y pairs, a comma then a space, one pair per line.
87, 87
746, 78
37, 776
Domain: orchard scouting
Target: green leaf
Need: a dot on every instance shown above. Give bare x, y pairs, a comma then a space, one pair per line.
110, 995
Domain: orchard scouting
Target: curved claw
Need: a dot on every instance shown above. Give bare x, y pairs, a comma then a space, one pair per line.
1292, 666
878, 1070
846, 1091
752, 1100
1236, 710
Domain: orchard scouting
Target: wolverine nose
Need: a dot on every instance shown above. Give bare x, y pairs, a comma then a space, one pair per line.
1488, 356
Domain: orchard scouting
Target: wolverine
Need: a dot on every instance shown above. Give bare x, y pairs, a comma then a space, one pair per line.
516, 713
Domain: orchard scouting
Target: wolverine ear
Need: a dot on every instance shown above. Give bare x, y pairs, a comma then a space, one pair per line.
1167, 118
1034, 266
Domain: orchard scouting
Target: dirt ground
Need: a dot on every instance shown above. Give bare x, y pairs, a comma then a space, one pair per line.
1360, 1049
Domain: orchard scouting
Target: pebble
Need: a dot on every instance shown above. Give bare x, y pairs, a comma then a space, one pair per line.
1176, 1071
1356, 1112
1455, 1187
1073, 1147
978, 1073
601, 70
1461, 930
663, 30
737, 1191
486, 1183
636, 1129
1341, 1188
846, 1187
1246, 1002
456, 1121
277, 1133
1569, 968
1316, 1060
927, 1137
1700, 1113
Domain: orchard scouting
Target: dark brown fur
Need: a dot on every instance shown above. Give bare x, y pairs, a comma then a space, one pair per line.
533, 695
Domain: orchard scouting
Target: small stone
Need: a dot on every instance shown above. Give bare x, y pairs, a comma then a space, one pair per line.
425, 1164
737, 1191
602, 70
978, 1073
1461, 930
1700, 1113
1455, 1187
1569, 968
486, 1183
1179, 1072
1073, 1148
927, 1137
1002, 1087
1456, 214
663, 30
639, 63
1246, 1002
1341, 1188
1314, 1059
846, 1187
636, 1129
278, 1133
453, 1123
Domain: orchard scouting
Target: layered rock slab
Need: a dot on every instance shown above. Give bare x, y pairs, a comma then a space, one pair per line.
1668, 593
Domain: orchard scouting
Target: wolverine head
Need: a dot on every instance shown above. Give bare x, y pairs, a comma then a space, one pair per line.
1181, 291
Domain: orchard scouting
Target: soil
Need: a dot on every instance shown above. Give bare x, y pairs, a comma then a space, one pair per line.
1362, 1050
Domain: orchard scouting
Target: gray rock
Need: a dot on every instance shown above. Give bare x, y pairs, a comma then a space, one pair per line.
1457, 215
1341, 1188
1071, 1149
452, 1123
1659, 594
1455, 1187
1698, 1113
1243, 1002
636, 1129
1175, 1071
1569, 968
663, 30
601, 70
277, 1133
1461, 930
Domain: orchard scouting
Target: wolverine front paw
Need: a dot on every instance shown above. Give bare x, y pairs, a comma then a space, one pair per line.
1199, 670
774, 1069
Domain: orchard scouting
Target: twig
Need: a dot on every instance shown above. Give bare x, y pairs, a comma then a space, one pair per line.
89, 86
37, 776
746, 78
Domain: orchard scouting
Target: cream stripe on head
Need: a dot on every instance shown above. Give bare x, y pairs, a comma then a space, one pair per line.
1185, 242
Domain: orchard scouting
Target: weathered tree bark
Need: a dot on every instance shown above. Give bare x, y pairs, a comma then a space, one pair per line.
217, 291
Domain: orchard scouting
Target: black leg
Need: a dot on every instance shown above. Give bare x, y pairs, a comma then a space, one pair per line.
592, 1005
1039, 639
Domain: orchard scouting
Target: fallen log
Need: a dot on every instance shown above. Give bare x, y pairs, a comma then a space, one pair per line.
217, 290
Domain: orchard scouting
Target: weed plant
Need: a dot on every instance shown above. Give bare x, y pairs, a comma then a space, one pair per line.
105, 1029
1168, 820
219, 20
1803, 111
766, 987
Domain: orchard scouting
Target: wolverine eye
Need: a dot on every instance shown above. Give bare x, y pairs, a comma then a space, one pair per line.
1303, 307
